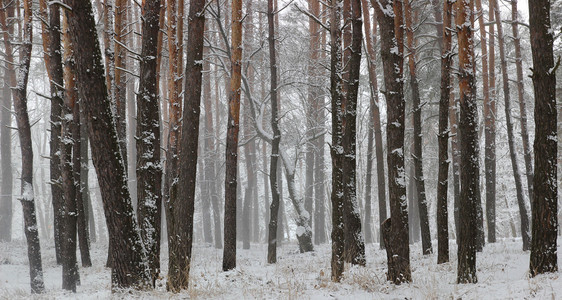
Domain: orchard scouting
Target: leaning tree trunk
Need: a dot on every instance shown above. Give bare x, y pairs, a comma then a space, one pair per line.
525, 233
445, 35
128, 268
24, 131
544, 257
396, 233
470, 189
229, 255
418, 143
149, 167
338, 243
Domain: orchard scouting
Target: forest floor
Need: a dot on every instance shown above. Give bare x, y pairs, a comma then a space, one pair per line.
502, 274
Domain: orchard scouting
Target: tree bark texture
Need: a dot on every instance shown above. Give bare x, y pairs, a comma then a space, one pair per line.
390, 16
469, 166
149, 166
544, 256
128, 269
336, 68
355, 243
24, 132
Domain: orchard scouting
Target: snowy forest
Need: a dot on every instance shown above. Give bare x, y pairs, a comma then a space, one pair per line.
280, 149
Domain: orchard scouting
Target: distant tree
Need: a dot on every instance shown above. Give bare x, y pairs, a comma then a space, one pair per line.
544, 256
525, 233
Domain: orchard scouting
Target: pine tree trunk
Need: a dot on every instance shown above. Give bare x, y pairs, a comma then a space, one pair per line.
274, 160
121, 31
544, 257
525, 232
392, 39
418, 143
229, 255
208, 151
24, 132
445, 35
75, 152
336, 68
149, 167
470, 188
527, 151
128, 268
490, 110
490, 202
355, 244
53, 61
6, 200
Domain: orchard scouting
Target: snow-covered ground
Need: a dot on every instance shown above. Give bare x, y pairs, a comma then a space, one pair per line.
502, 274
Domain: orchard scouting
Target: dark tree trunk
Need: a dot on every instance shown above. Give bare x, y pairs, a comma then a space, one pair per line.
149, 167
84, 177
6, 204
336, 68
120, 36
490, 110
544, 257
417, 153
274, 160
53, 60
525, 232
445, 36
392, 39
355, 250
24, 132
470, 188
229, 255
128, 269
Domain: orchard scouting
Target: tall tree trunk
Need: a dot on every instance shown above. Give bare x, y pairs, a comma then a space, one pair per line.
490, 110
84, 177
229, 255
525, 233
53, 60
128, 269
491, 201
544, 257
470, 188
149, 167
392, 39
418, 144
24, 132
527, 152
69, 261
208, 150
336, 68
273, 166
445, 35
6, 204
376, 119
73, 135
355, 252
